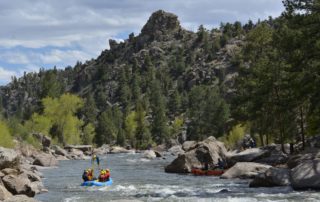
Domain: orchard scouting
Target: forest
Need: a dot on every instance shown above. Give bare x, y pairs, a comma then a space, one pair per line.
260, 78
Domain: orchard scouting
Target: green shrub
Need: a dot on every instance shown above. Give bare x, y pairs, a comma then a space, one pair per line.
237, 133
6, 139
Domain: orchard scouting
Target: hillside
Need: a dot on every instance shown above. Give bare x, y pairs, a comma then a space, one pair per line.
124, 74
168, 83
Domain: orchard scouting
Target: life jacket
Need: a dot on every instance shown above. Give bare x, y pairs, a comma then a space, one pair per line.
90, 177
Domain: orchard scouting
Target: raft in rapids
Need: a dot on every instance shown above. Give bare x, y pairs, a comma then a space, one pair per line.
97, 183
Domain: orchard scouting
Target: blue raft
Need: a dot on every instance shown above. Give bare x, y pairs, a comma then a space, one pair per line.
97, 183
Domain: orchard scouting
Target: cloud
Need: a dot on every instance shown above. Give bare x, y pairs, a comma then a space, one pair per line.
42, 32
5, 75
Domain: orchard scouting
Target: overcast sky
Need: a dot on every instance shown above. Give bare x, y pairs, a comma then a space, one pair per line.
44, 33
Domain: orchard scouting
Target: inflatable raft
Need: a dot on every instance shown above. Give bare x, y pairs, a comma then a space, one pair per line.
97, 183
216, 172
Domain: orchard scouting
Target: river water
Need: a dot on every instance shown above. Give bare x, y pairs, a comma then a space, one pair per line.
140, 179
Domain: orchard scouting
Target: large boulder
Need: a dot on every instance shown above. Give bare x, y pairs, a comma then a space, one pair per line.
149, 154
25, 149
271, 178
38, 187
18, 185
46, 160
104, 149
32, 176
76, 154
20, 198
10, 171
176, 150
245, 170
298, 159
4, 193
8, 158
275, 157
188, 145
59, 151
306, 175
247, 155
209, 151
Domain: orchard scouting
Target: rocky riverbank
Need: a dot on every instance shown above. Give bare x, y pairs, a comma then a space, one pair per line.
265, 167
20, 168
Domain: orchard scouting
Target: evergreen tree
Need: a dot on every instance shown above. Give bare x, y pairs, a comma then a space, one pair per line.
159, 126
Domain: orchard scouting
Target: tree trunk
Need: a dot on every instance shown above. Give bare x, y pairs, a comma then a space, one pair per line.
302, 127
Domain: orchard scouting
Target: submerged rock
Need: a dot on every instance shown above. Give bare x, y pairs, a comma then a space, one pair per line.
245, 170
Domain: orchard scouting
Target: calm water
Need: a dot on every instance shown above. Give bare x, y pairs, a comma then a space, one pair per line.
139, 179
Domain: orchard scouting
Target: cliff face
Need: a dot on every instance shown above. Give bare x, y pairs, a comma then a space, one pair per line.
185, 57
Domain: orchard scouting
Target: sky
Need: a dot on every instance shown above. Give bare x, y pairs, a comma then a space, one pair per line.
38, 34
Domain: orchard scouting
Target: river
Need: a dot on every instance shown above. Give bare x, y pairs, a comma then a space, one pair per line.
140, 179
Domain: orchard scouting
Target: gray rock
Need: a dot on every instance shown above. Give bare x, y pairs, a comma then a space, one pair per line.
76, 154
59, 151
20, 198
271, 178
209, 150
149, 154
161, 26
46, 160
176, 150
8, 158
306, 175
38, 187
188, 145
295, 160
10, 171
4, 193
248, 155
245, 170
33, 177
18, 185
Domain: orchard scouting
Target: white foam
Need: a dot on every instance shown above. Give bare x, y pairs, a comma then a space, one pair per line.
129, 188
71, 199
144, 160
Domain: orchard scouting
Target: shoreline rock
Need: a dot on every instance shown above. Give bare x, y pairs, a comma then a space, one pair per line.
245, 170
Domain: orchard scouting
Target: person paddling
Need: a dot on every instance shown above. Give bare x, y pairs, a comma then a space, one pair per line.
95, 158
